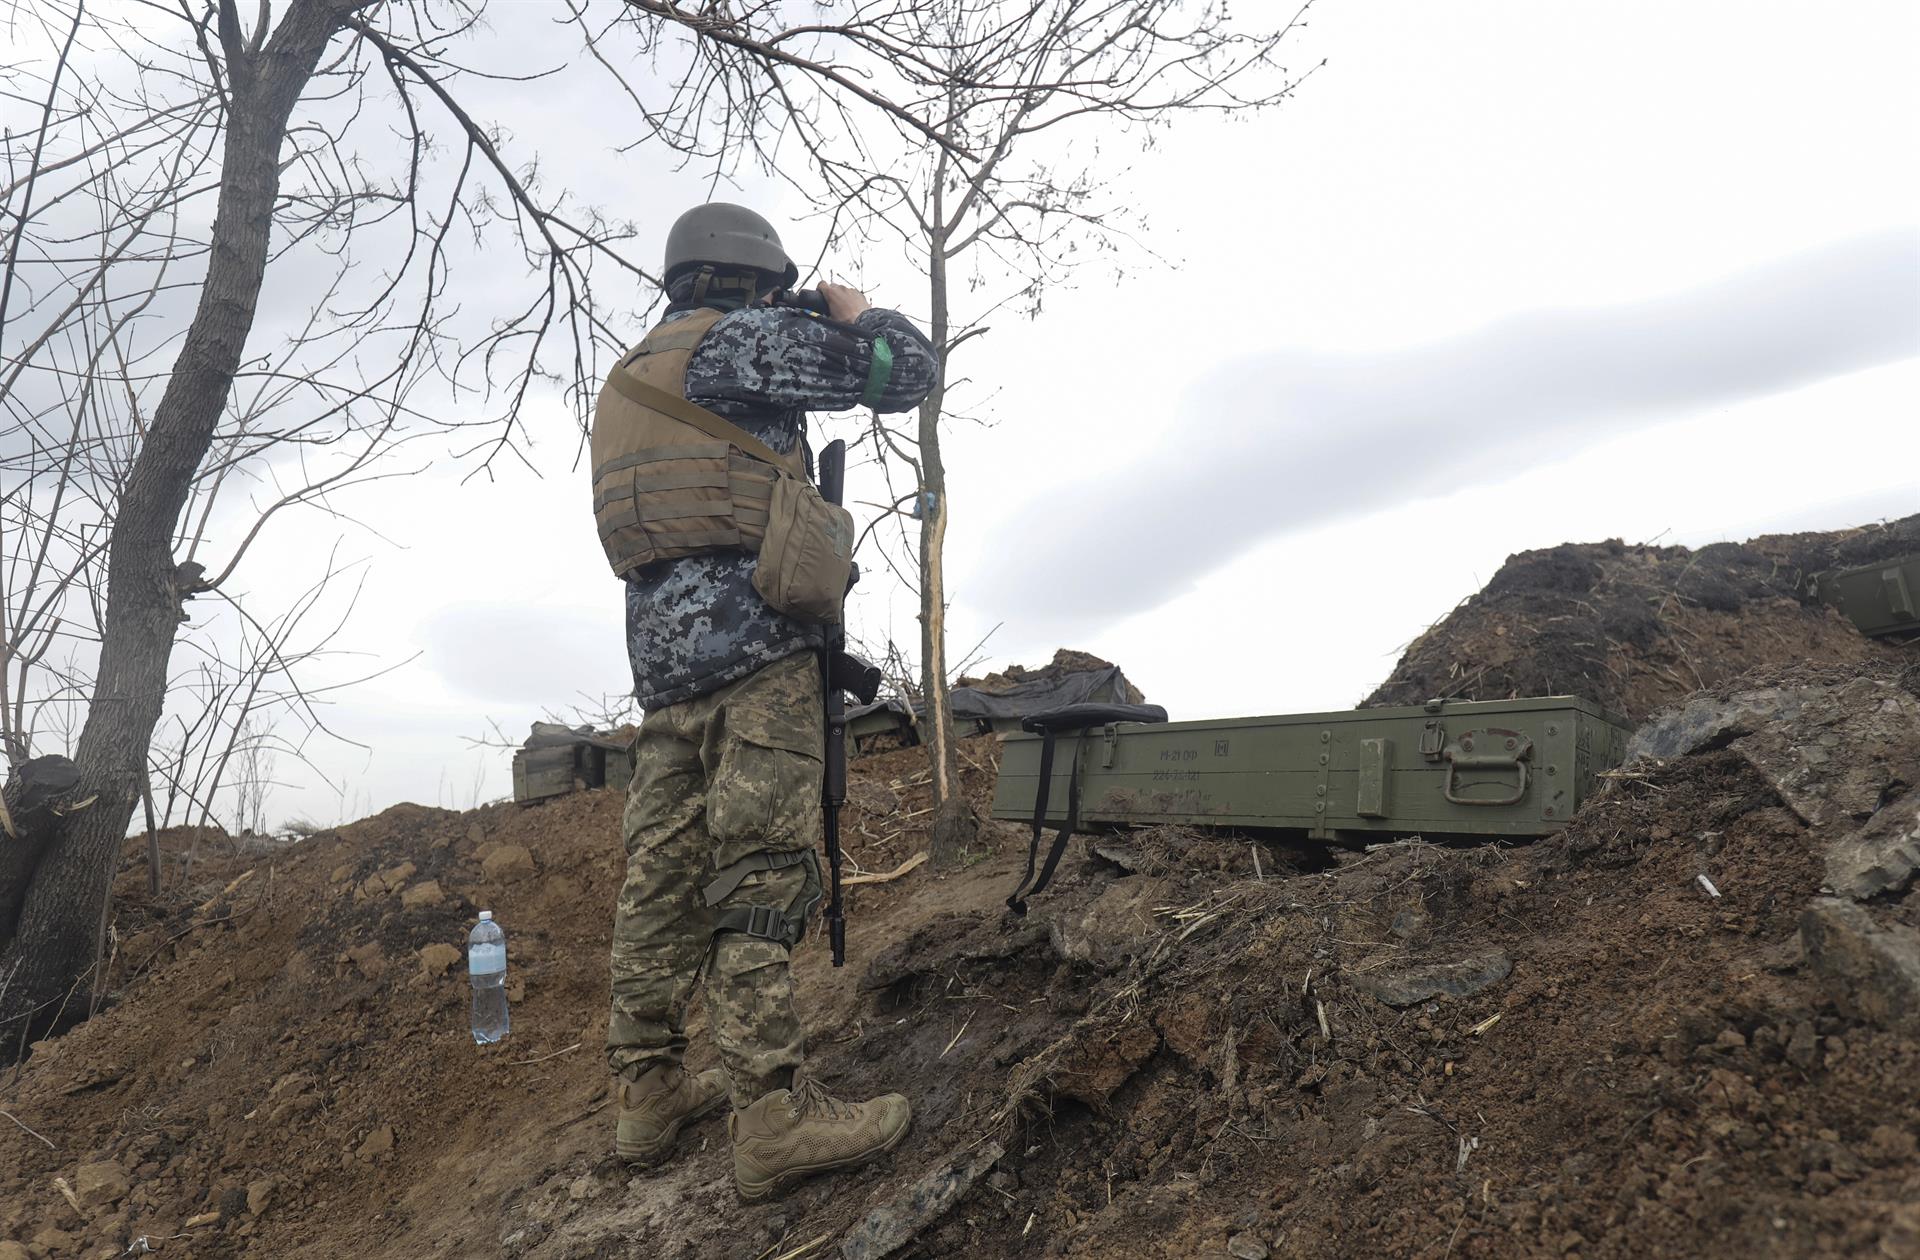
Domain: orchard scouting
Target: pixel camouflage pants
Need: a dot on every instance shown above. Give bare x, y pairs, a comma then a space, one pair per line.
716, 779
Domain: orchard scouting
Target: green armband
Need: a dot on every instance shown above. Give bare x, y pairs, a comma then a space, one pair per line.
879, 373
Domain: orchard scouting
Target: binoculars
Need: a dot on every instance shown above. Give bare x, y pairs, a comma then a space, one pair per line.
802, 300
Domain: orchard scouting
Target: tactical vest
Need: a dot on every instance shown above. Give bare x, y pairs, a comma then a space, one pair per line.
663, 488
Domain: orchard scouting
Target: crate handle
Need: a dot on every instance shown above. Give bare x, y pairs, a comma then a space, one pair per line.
1498, 750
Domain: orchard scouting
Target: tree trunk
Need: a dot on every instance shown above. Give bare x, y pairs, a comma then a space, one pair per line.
954, 826
63, 911
34, 799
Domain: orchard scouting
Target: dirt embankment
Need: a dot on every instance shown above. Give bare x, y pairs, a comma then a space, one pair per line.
1570, 1048
1635, 628
1687, 1026
284, 1048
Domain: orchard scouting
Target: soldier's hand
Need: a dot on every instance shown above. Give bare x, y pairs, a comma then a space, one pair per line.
843, 302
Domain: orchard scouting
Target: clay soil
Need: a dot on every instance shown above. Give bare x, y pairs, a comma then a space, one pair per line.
1170, 1056
1635, 627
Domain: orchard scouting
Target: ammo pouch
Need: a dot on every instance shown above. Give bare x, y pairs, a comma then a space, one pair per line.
807, 555
659, 495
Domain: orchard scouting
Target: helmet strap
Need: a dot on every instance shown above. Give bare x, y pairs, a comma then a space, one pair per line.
728, 293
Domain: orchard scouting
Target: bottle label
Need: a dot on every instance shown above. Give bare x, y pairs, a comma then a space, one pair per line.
486, 959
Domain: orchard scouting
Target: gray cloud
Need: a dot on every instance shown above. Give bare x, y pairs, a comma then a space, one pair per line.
518, 655
1283, 442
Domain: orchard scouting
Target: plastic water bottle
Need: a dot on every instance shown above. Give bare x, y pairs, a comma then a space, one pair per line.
487, 967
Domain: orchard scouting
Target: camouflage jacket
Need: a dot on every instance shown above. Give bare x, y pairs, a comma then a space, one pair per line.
696, 624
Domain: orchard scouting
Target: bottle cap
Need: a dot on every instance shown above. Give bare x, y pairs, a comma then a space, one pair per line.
486, 916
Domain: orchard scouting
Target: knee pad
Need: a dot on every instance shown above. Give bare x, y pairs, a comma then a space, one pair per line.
781, 924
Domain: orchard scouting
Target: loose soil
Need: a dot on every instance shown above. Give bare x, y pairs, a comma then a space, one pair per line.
1635, 628
1170, 1056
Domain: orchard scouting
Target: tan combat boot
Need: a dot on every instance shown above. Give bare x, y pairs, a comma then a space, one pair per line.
789, 1135
653, 1108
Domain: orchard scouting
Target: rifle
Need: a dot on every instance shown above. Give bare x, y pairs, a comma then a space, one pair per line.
840, 672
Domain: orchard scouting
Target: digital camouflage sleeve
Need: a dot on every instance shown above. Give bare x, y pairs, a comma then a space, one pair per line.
696, 624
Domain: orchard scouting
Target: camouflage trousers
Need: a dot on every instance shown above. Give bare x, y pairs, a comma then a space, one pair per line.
718, 780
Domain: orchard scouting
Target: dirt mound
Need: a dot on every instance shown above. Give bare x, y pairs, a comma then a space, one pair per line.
1688, 1025
1634, 628
1065, 662
284, 1046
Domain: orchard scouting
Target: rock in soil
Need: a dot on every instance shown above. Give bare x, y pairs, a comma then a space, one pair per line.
893, 1225
437, 957
507, 864
1873, 967
98, 1184
1880, 857
1247, 1247
1406, 985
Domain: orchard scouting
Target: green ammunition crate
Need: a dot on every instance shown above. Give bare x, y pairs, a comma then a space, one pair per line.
556, 769
539, 773
1492, 768
616, 768
1881, 598
881, 727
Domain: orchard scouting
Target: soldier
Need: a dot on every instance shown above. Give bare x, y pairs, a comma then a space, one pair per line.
723, 814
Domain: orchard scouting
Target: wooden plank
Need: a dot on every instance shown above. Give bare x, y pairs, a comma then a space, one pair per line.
539, 773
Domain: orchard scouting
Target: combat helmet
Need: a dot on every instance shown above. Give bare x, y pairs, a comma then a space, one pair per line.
721, 234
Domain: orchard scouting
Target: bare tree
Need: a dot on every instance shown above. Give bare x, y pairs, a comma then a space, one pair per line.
1028, 101
102, 195
168, 165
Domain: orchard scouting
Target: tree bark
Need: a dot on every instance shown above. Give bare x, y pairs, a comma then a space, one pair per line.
954, 826
63, 910
34, 798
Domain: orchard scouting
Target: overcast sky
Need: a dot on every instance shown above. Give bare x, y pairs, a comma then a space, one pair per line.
1502, 275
